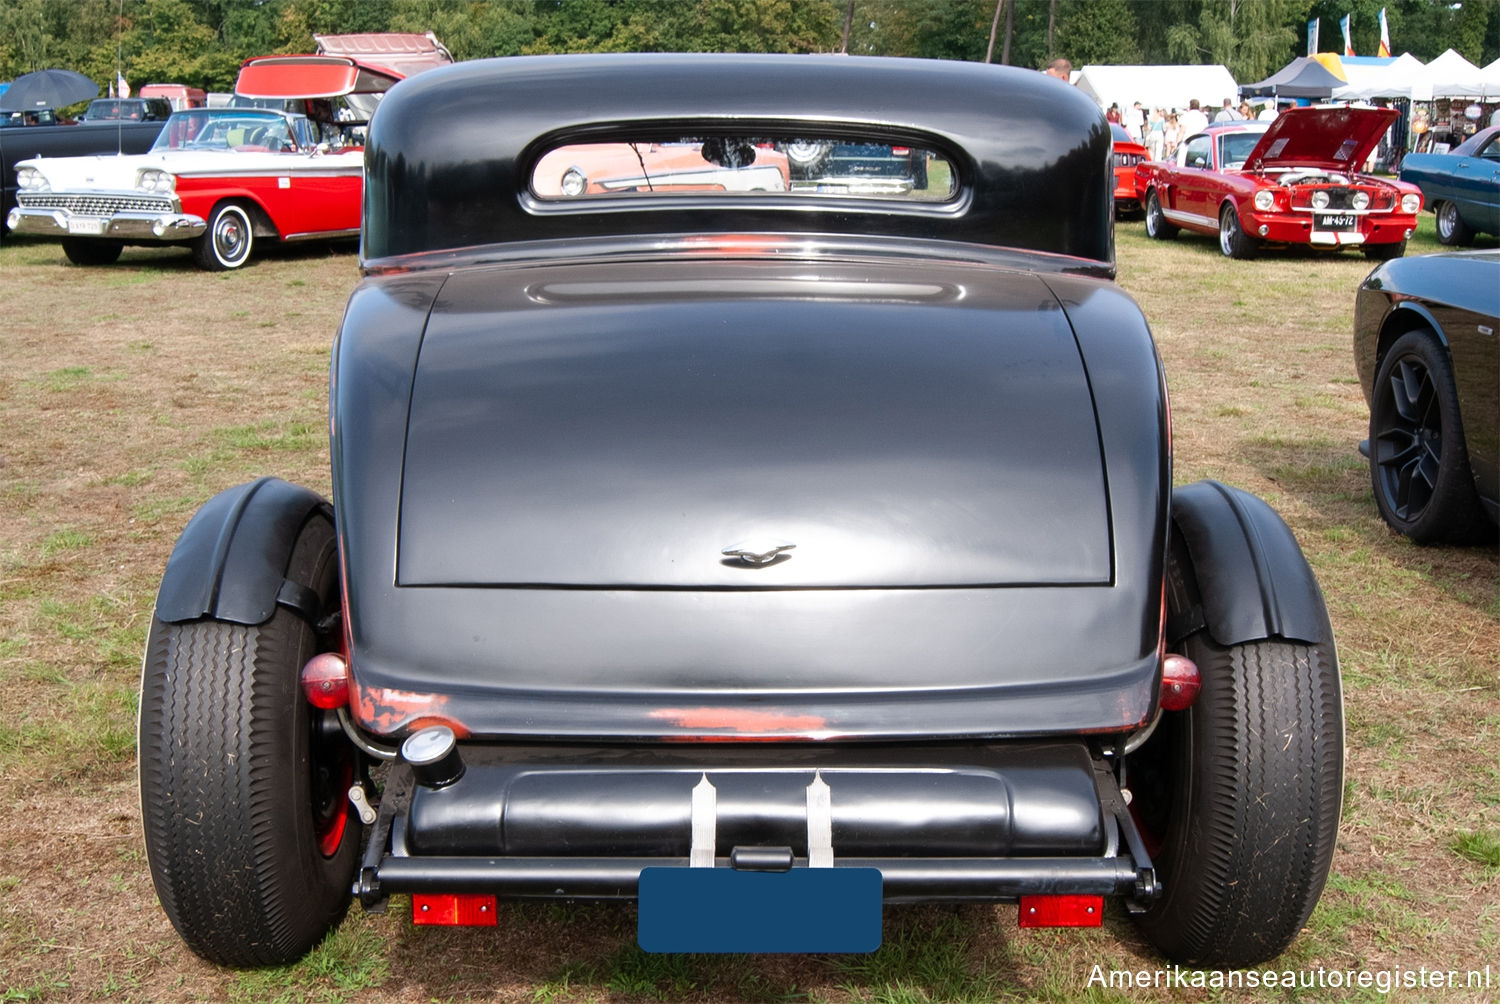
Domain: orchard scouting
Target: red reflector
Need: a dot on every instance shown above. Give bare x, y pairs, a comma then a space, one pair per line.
1180, 683
900, 151
453, 909
325, 681
1062, 911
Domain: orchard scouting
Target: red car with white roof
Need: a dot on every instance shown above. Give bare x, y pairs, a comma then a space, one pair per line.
1295, 180
216, 180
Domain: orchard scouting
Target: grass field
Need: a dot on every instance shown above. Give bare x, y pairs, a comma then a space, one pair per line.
129, 394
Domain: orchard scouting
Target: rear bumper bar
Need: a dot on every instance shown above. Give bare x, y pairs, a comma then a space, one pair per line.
983, 823
905, 879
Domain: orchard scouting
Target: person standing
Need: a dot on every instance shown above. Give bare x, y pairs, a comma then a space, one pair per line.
1171, 135
1193, 120
1156, 134
1061, 69
1227, 113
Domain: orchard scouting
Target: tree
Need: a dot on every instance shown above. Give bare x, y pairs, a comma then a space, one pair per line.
1097, 31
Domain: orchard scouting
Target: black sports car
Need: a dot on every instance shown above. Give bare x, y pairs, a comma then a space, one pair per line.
760, 556
1424, 343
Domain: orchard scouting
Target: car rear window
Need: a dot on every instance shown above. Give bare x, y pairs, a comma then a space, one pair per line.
690, 165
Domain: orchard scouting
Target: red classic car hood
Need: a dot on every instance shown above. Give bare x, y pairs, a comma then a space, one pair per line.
1339, 139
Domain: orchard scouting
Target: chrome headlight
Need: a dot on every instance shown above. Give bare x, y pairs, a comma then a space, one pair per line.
1361, 200
1265, 199
29, 179
1411, 203
1320, 200
574, 183
156, 181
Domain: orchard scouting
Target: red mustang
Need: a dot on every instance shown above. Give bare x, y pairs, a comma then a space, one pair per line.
1295, 180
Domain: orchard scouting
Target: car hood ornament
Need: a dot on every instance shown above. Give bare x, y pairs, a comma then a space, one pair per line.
757, 552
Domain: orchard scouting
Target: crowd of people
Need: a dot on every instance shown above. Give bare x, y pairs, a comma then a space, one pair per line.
1162, 130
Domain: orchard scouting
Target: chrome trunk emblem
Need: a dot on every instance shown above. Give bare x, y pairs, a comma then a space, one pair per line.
757, 552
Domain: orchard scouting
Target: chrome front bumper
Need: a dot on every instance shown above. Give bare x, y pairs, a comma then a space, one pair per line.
130, 226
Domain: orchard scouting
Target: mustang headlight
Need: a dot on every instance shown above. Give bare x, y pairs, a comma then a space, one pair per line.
29, 179
1320, 200
1411, 203
158, 182
1361, 200
574, 183
1265, 199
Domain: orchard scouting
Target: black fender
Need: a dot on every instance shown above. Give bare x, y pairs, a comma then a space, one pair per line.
1235, 569
230, 561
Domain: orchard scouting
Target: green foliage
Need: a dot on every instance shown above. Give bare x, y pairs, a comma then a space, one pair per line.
202, 42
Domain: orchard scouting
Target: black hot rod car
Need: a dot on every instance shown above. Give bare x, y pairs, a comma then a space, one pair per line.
759, 556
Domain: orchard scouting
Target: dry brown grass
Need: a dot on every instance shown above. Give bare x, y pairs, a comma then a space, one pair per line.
132, 393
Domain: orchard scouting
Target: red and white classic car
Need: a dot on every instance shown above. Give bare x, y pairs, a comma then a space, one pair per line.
1295, 180
216, 180
219, 179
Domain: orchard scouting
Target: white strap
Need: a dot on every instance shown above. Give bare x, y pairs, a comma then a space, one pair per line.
819, 823
705, 824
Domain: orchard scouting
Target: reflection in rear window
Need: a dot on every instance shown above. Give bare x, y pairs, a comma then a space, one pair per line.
695, 165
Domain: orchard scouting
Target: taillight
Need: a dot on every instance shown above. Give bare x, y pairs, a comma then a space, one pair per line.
325, 681
1180, 682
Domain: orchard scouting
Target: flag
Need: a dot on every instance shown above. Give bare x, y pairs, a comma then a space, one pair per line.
1385, 36
1348, 41
124, 88
1312, 37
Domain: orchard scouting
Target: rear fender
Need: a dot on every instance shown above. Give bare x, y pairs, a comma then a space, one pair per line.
1236, 570
230, 562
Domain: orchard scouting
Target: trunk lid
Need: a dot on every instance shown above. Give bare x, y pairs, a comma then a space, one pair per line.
619, 427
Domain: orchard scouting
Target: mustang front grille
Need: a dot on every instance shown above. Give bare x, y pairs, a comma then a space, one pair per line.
97, 205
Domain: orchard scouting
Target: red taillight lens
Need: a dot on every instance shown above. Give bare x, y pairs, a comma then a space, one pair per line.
453, 909
900, 151
325, 681
1180, 683
1062, 911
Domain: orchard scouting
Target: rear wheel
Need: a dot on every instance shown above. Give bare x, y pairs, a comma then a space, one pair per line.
90, 252
244, 784
1157, 226
1419, 465
1238, 796
1233, 240
1451, 228
1239, 799
228, 241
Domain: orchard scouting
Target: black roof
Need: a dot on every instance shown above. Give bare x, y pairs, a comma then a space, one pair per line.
450, 150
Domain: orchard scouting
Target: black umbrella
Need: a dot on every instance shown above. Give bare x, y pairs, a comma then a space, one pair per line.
47, 89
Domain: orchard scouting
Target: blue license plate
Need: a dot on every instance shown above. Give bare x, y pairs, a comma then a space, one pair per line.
724, 910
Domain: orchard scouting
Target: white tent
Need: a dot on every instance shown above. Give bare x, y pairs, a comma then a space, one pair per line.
1157, 86
1490, 77
1391, 79
1451, 76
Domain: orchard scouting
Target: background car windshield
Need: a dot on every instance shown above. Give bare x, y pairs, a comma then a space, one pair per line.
740, 165
214, 129
1235, 148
